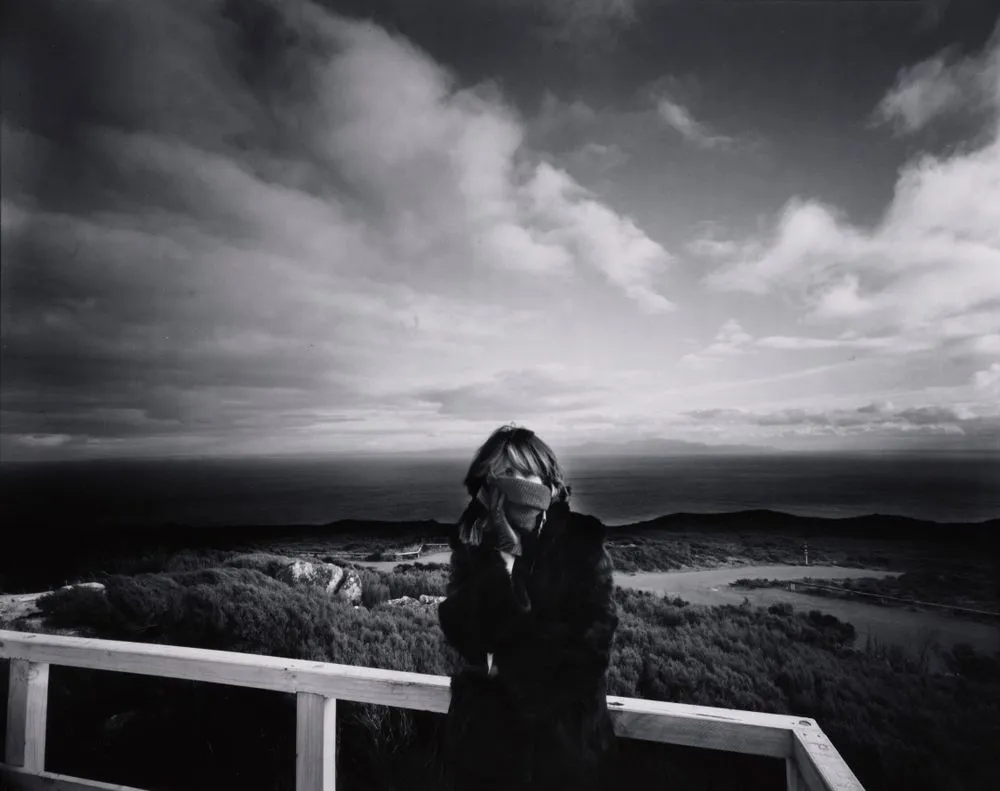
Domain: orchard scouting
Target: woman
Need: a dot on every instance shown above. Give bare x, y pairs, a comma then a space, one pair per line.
530, 610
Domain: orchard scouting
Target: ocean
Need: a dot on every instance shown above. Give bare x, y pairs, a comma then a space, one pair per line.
275, 491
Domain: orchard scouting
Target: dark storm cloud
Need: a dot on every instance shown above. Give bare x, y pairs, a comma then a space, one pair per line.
216, 215
74, 70
130, 136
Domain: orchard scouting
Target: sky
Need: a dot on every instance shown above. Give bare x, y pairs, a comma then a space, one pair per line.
257, 227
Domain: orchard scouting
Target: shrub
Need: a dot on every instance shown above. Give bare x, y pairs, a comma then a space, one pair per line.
264, 562
757, 582
374, 593
963, 661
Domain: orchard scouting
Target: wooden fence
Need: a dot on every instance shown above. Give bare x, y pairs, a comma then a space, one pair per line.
812, 762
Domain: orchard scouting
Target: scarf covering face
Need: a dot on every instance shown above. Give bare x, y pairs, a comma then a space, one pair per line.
512, 505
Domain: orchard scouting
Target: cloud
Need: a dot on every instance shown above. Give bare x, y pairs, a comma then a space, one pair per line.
944, 84
713, 248
587, 22
932, 258
511, 394
986, 344
988, 380
592, 232
579, 133
964, 335
555, 116
800, 343
42, 441
873, 413
711, 242
679, 118
598, 157
876, 424
587, 141
892, 344
306, 214
730, 341
669, 100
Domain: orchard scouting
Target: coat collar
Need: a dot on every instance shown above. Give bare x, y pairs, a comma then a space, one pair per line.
556, 519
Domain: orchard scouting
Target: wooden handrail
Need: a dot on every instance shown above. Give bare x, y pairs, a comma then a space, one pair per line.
812, 762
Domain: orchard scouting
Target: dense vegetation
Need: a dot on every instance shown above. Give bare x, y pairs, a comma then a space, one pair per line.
897, 726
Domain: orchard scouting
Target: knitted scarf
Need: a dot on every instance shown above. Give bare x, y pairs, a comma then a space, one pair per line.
507, 500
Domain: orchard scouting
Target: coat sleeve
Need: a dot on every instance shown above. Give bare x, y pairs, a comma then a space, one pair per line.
478, 599
550, 664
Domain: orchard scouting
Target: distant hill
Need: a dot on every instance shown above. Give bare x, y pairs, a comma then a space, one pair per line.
660, 447
44, 553
44, 543
881, 526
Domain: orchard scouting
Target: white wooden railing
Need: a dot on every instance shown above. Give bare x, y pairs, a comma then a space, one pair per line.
812, 762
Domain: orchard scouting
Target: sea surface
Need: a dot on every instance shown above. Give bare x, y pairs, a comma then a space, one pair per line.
275, 491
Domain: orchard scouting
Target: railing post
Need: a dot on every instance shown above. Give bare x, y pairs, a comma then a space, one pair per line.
315, 742
793, 780
27, 704
820, 765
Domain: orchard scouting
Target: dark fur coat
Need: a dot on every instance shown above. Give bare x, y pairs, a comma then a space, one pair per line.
542, 722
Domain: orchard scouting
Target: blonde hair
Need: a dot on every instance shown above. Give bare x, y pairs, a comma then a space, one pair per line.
513, 449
